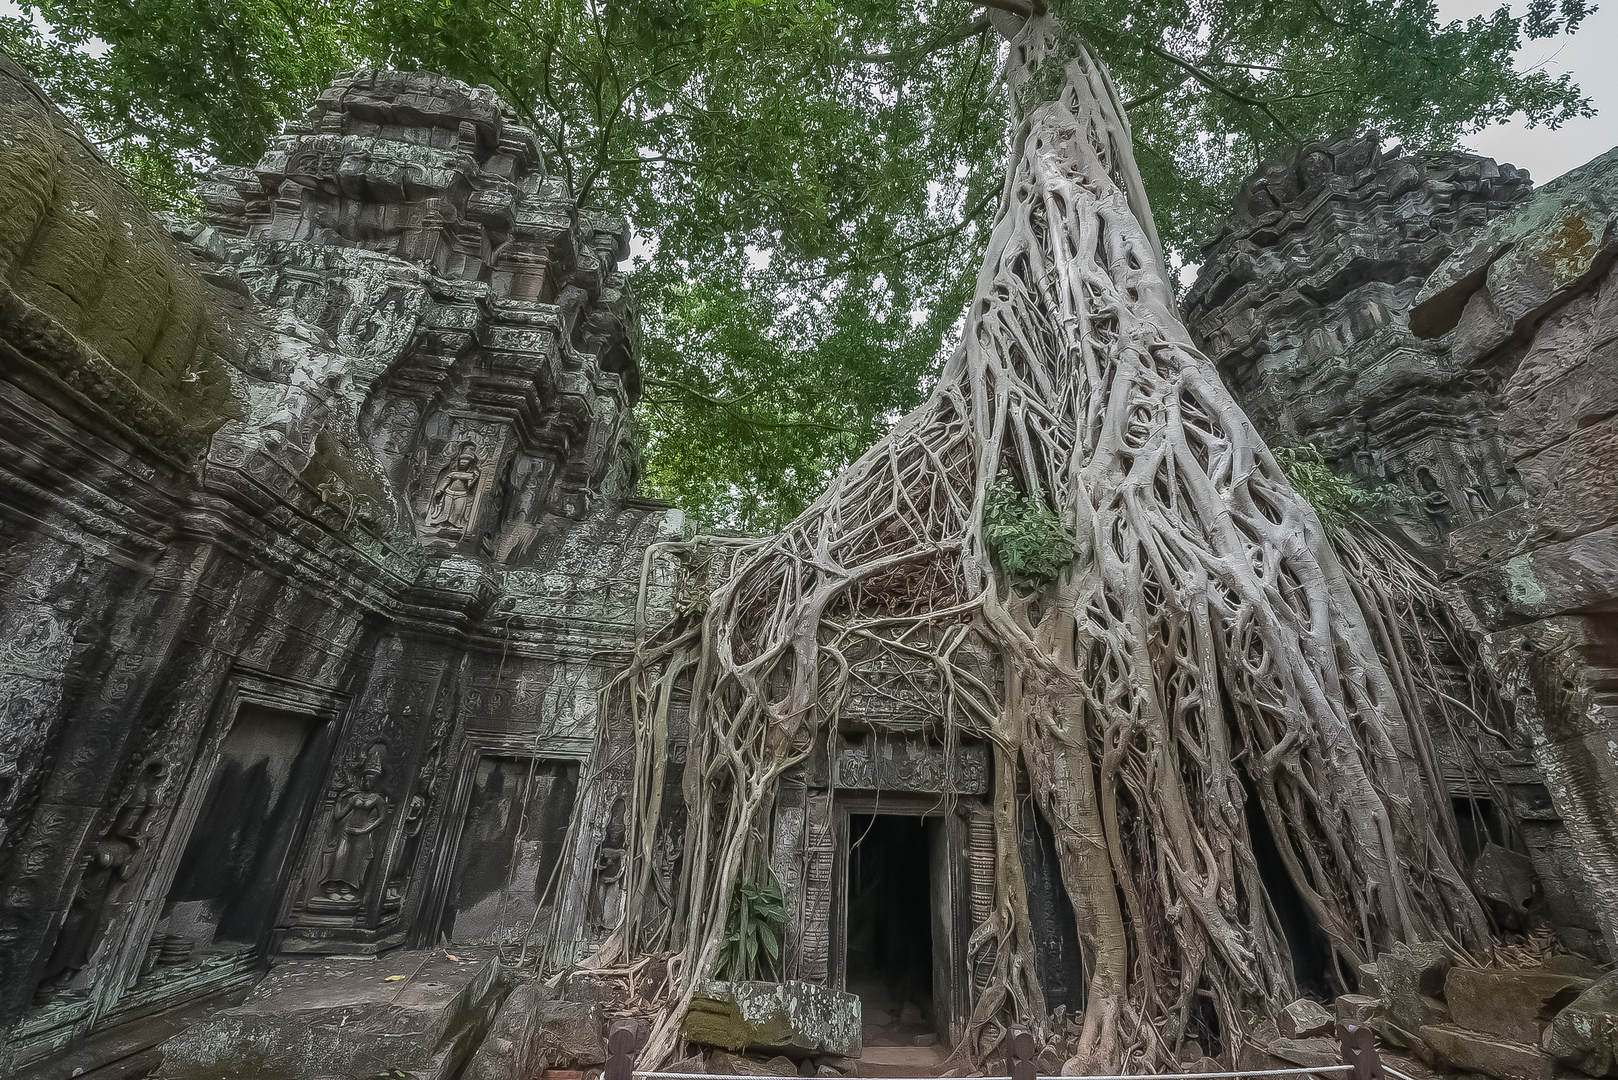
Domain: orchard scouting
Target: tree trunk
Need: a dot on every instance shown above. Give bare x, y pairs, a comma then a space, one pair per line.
1203, 634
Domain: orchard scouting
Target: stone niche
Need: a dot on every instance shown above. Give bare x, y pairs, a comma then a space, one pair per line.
318, 536
1351, 303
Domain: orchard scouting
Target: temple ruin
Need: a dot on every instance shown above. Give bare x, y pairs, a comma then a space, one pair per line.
323, 569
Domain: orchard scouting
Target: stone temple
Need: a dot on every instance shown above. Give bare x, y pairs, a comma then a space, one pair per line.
319, 538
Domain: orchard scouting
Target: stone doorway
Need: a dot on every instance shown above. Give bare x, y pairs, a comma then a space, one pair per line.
228, 887
510, 844
899, 895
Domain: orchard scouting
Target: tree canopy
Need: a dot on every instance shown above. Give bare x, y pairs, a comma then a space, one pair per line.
811, 181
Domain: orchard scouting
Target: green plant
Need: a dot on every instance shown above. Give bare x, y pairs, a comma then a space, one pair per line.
757, 914
1030, 543
1336, 499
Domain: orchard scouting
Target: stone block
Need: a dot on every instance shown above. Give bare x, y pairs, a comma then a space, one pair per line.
1356, 1008
1585, 1033
794, 1018
1412, 979
1304, 1018
1572, 484
511, 1050
1514, 1005
570, 1031
317, 1018
1505, 880
1461, 1048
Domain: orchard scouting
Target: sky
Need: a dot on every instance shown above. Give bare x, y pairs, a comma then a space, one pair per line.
1590, 56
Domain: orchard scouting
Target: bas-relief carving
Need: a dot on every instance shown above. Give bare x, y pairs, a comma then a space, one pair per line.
357, 818
907, 761
108, 864
450, 509
607, 895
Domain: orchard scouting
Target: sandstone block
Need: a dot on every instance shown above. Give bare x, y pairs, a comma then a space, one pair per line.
1585, 1034
510, 1050
1412, 978
1505, 880
1304, 1018
1503, 1059
1514, 1005
1356, 1008
792, 1017
570, 1031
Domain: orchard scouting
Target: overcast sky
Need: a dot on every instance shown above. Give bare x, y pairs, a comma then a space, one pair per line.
1592, 56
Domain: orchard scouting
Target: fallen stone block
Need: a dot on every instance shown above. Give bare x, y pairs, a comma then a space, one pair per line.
1514, 1005
511, 1050
422, 1015
1412, 978
1356, 1008
1304, 1018
795, 1018
1313, 1053
1585, 1033
1506, 881
1504, 1059
569, 1032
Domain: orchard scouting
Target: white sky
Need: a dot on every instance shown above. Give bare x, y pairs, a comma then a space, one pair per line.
1592, 56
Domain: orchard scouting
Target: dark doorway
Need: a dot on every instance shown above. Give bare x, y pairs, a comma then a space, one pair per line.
512, 838
1311, 951
889, 943
228, 886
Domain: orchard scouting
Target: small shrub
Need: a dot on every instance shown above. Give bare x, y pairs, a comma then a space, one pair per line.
1336, 499
753, 930
1030, 543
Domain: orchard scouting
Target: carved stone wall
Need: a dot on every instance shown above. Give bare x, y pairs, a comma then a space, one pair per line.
1529, 306
1305, 302
351, 458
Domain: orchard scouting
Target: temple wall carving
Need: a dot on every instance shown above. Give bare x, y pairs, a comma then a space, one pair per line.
327, 501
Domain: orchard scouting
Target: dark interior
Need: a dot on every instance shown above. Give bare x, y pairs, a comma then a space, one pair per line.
1311, 951
890, 939
238, 852
488, 891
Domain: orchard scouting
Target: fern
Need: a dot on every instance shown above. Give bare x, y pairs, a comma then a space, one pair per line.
1031, 545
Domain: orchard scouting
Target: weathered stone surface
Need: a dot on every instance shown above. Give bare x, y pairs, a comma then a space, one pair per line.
793, 1017
570, 1033
1461, 1048
1356, 1008
1585, 1033
315, 1018
1412, 978
1514, 1005
1506, 882
1305, 1018
512, 1049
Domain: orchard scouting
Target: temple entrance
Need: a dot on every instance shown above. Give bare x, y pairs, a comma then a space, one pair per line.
227, 890
894, 925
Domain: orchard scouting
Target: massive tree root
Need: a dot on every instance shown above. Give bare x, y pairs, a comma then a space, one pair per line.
1203, 650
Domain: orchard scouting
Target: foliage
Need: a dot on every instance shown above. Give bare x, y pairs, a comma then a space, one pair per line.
1026, 537
812, 180
1336, 499
753, 930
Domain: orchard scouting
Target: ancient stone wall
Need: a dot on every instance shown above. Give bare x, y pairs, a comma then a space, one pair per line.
1304, 301
317, 536
1529, 306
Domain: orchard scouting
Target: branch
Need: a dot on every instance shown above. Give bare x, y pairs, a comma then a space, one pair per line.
941, 40
1215, 85
1015, 7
